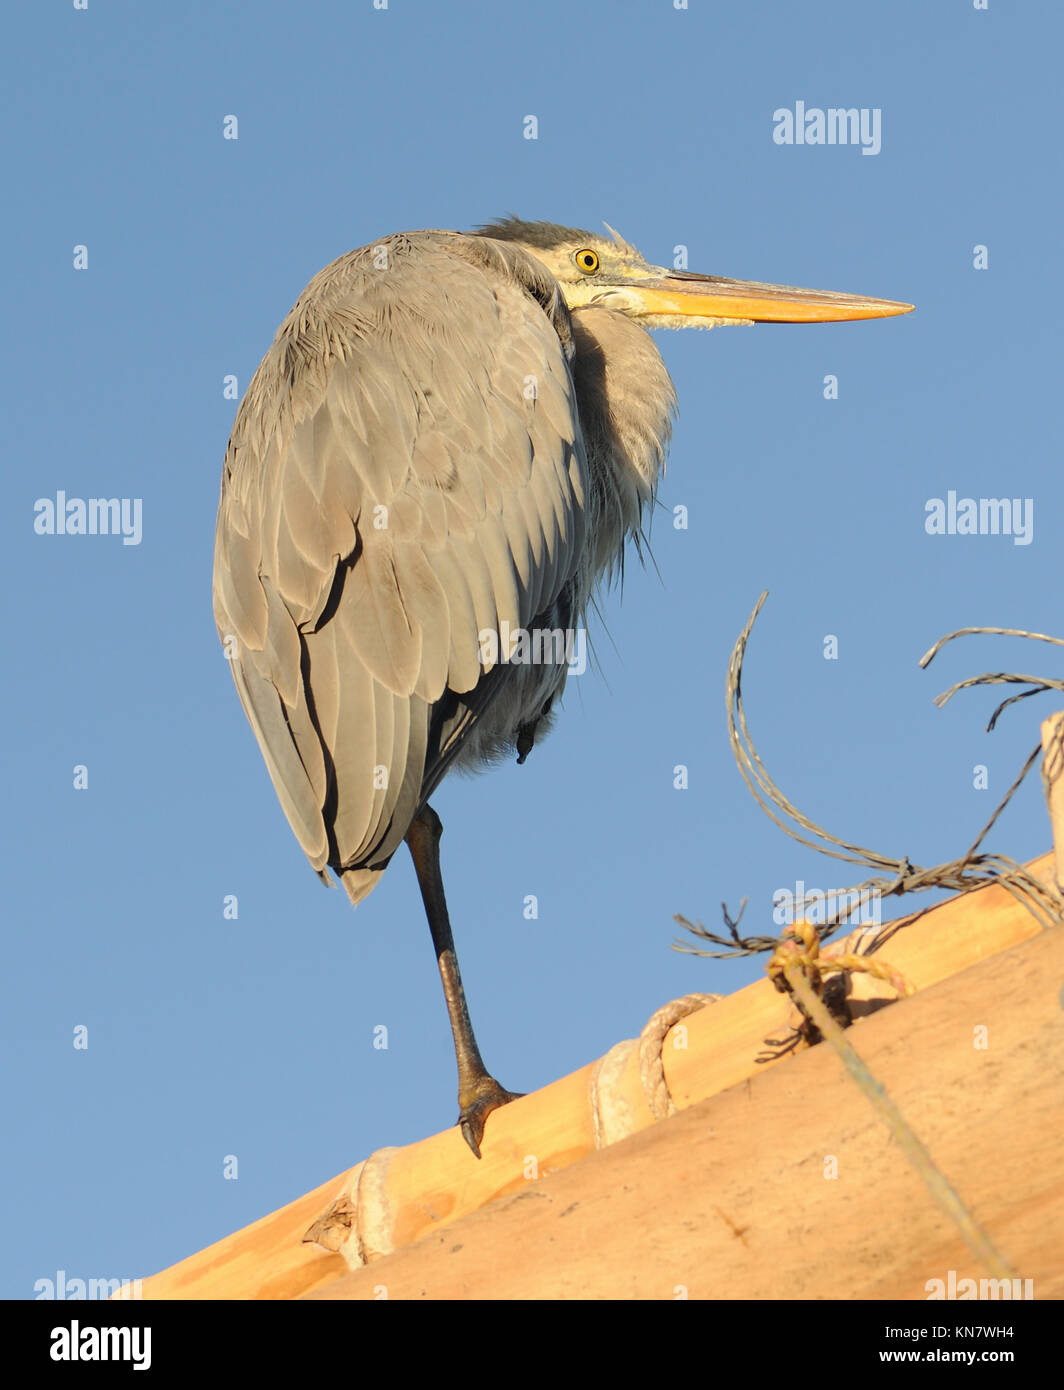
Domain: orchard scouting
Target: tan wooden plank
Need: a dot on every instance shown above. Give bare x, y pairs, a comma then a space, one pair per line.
733, 1197
409, 1193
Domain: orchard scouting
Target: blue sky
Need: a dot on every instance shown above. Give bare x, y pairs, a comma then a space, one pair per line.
210, 1037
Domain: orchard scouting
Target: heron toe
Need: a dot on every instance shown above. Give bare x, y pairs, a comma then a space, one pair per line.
487, 1095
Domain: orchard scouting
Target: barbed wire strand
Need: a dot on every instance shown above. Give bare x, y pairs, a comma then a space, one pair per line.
970, 871
941, 1190
795, 960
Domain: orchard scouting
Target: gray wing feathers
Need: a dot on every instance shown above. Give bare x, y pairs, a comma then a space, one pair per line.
297, 775
391, 490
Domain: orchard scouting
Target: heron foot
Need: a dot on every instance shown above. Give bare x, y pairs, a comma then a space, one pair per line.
477, 1104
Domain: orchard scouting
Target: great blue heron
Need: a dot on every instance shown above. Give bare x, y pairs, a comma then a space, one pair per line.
443, 452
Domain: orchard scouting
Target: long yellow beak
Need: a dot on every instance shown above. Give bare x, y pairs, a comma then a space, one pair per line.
684, 295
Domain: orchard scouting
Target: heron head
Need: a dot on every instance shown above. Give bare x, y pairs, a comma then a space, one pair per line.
609, 273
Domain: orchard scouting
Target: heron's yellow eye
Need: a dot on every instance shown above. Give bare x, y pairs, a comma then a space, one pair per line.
588, 261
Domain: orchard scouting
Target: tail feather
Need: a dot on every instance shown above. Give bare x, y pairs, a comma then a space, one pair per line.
360, 883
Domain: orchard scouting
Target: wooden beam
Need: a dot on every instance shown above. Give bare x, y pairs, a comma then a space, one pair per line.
400, 1196
789, 1186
